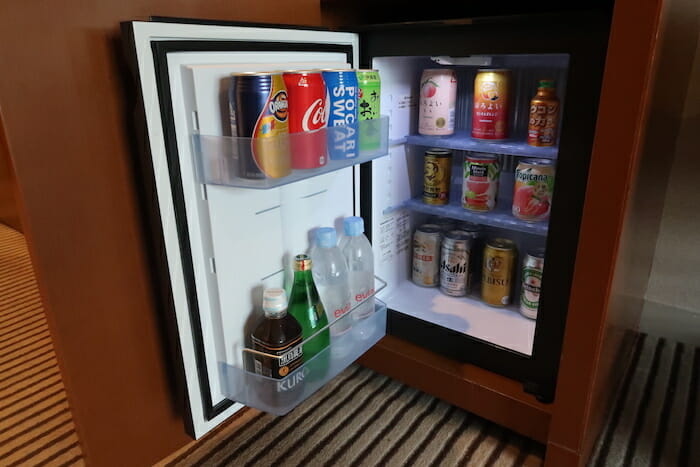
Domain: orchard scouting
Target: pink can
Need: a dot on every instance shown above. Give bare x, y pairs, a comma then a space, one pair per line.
438, 98
308, 113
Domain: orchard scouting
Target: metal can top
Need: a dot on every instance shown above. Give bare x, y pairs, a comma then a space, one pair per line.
482, 156
470, 227
536, 252
438, 152
255, 73
301, 72
493, 70
434, 70
457, 236
501, 244
347, 70
429, 228
535, 162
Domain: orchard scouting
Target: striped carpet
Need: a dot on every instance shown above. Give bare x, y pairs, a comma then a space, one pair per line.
36, 427
362, 418
655, 419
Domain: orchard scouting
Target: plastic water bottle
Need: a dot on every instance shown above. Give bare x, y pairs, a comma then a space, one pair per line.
330, 273
360, 260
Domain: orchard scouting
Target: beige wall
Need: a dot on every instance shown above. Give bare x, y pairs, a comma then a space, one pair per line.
675, 275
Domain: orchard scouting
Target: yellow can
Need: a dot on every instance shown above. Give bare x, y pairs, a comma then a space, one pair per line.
497, 271
437, 176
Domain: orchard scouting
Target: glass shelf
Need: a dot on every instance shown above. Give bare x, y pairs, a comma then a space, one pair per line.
497, 218
279, 396
467, 143
264, 163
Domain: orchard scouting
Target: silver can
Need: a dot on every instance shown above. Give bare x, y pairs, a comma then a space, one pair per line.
533, 266
426, 255
454, 263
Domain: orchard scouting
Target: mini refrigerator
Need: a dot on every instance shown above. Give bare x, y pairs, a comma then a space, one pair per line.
222, 238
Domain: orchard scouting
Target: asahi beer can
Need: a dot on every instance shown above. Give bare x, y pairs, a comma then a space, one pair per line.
491, 104
369, 106
480, 186
497, 271
437, 173
455, 263
258, 111
426, 255
341, 87
534, 186
533, 266
438, 98
308, 113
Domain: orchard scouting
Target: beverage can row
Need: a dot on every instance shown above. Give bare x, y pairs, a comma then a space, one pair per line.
449, 255
491, 104
533, 190
267, 107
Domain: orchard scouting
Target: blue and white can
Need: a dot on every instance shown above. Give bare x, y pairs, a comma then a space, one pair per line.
341, 87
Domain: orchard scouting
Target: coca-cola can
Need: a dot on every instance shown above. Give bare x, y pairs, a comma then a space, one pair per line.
308, 116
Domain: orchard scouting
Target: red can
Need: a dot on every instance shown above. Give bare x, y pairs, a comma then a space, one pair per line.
308, 113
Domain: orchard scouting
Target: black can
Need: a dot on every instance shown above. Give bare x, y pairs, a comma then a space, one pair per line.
258, 111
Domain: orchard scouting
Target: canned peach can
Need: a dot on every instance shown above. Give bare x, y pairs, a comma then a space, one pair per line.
438, 97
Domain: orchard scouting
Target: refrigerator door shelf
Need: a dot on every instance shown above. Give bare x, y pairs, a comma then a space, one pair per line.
462, 141
224, 160
279, 396
497, 218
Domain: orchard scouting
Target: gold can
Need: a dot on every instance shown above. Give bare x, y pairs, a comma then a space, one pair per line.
437, 176
491, 104
497, 271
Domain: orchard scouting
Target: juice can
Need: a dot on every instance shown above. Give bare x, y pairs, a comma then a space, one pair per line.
533, 267
491, 104
455, 263
534, 185
258, 112
544, 115
308, 113
369, 100
437, 171
497, 272
438, 98
341, 87
426, 255
480, 188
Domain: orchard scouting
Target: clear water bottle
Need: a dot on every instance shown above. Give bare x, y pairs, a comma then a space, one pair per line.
330, 273
360, 260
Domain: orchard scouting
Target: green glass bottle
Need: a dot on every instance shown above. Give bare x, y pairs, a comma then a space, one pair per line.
305, 305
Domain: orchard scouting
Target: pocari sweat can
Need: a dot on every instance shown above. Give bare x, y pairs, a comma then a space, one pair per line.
341, 87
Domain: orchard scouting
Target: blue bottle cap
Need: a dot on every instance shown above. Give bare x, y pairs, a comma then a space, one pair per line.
326, 237
353, 226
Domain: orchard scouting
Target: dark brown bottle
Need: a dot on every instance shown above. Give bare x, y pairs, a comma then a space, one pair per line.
277, 338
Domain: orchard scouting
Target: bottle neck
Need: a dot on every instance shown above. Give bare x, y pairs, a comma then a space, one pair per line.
303, 276
545, 92
274, 314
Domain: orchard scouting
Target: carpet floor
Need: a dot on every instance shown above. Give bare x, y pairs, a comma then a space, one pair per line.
363, 418
36, 425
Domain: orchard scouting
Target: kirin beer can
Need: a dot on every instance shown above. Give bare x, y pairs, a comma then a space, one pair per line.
437, 176
426, 255
438, 96
491, 104
258, 110
308, 113
341, 87
497, 272
455, 263
533, 267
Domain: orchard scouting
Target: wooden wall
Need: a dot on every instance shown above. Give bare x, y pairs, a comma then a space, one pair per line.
9, 207
64, 101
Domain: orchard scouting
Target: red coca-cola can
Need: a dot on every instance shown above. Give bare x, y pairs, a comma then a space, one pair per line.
308, 115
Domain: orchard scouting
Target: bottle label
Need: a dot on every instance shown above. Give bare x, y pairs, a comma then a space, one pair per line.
290, 355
